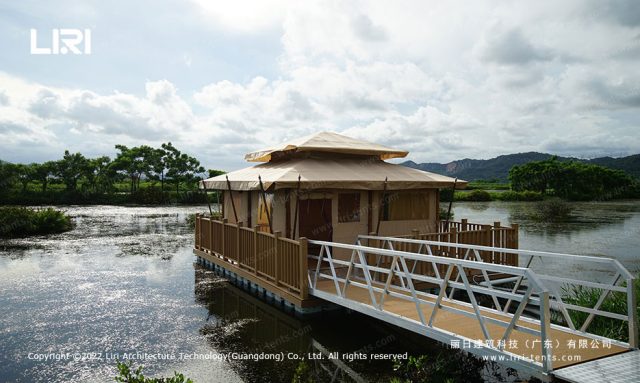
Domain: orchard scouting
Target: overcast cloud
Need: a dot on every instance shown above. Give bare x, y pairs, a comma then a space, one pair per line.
444, 80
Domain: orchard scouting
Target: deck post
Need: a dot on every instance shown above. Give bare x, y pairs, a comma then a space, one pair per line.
496, 236
238, 253
198, 232
211, 235
463, 223
632, 304
516, 230
453, 238
304, 268
276, 239
255, 249
545, 331
224, 229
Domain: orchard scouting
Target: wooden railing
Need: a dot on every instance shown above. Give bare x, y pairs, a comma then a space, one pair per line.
467, 233
280, 261
462, 232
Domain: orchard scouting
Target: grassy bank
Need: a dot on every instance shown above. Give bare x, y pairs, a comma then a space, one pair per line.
23, 222
479, 195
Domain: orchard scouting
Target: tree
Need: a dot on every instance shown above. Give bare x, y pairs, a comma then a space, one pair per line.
43, 172
571, 180
24, 174
8, 175
133, 162
99, 174
215, 173
182, 167
71, 168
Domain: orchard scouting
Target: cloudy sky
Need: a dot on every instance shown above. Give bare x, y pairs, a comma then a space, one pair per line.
444, 80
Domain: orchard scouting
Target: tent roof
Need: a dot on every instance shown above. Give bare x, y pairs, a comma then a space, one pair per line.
327, 142
327, 173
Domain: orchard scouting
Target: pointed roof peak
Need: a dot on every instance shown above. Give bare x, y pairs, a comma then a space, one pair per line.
329, 142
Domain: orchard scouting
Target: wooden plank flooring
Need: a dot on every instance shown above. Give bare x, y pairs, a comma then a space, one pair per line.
469, 328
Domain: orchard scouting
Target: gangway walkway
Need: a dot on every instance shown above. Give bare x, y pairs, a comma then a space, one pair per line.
438, 297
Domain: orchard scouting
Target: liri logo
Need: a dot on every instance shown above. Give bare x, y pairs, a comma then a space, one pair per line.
63, 41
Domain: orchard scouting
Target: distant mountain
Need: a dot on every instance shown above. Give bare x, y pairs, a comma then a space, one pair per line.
498, 168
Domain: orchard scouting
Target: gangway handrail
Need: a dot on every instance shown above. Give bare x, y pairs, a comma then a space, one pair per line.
537, 293
621, 274
535, 253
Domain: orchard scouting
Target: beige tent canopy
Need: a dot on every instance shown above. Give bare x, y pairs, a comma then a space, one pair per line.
331, 167
327, 142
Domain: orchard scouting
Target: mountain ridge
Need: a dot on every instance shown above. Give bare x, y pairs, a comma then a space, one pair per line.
497, 168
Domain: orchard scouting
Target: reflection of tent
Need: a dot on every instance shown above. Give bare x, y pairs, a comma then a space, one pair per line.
342, 184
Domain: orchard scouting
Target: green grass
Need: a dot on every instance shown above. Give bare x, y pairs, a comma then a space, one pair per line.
23, 222
616, 302
483, 195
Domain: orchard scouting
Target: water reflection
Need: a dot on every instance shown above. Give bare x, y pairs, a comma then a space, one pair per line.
240, 322
124, 280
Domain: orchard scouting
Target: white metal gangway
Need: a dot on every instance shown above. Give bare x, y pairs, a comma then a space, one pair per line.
416, 290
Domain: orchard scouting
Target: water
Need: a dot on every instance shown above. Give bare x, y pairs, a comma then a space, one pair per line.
124, 281
610, 229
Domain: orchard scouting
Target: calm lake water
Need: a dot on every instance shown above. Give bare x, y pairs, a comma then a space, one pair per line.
124, 282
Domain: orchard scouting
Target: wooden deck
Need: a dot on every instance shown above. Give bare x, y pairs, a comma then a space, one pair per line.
467, 327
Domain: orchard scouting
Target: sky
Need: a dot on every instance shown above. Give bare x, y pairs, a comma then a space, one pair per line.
444, 80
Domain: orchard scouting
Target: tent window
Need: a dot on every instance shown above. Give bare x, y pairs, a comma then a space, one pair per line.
348, 207
403, 206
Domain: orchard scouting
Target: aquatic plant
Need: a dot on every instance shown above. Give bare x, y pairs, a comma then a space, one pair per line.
446, 367
552, 209
616, 302
126, 374
22, 222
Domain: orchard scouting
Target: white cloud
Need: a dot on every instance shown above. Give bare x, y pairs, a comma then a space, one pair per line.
444, 80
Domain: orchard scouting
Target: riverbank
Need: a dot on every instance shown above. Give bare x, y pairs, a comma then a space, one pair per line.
143, 196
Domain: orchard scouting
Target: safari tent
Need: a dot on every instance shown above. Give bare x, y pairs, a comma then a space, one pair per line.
331, 187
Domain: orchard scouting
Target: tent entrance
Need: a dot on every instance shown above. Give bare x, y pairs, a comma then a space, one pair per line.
316, 221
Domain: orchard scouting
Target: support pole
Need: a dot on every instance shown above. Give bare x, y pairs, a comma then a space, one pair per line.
381, 206
264, 201
233, 204
206, 194
453, 192
295, 214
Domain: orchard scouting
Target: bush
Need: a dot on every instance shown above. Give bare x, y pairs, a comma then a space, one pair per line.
22, 222
476, 196
553, 209
526, 195
127, 375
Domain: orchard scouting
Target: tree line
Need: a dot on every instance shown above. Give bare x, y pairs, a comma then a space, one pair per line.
573, 180
165, 165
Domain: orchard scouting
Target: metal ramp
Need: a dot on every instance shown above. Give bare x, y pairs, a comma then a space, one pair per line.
388, 284
622, 368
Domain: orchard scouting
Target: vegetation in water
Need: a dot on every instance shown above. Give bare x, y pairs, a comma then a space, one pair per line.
22, 222
552, 210
484, 195
573, 180
303, 373
444, 214
443, 368
126, 374
139, 175
616, 302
